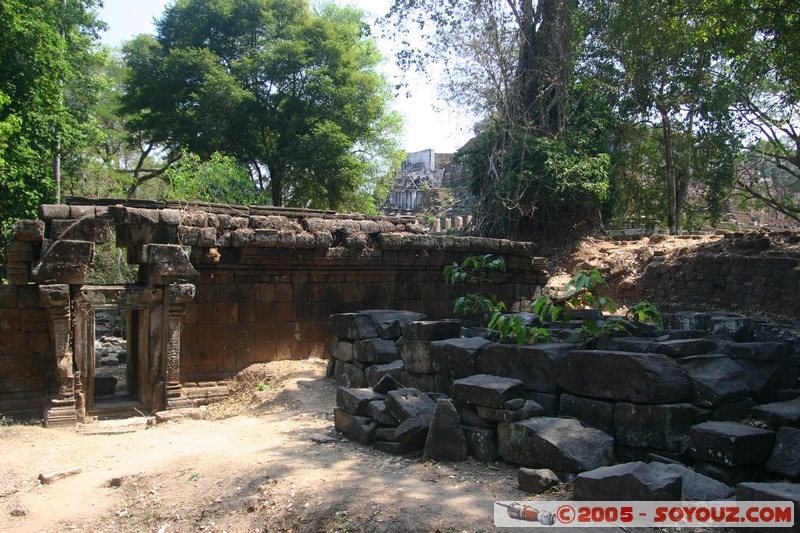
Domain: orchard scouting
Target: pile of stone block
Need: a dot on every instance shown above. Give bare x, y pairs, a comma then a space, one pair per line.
679, 413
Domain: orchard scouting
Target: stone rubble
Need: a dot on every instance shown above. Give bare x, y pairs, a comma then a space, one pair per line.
694, 414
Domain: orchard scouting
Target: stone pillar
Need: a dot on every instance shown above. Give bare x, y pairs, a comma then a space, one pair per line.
178, 294
60, 409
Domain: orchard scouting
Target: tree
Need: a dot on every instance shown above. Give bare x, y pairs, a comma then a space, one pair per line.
46, 86
291, 94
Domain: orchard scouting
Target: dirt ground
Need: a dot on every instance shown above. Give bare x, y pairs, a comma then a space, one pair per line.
264, 461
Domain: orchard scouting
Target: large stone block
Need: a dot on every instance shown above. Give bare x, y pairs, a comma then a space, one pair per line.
28, 230
778, 414
762, 376
628, 481
481, 443
445, 440
595, 413
663, 427
489, 391
716, 379
355, 401
375, 373
730, 443
768, 492
417, 356
560, 444
349, 375
625, 376
456, 357
391, 323
527, 409
352, 326
409, 403
684, 347
64, 262
538, 366
536, 480
432, 330
85, 229
376, 351
342, 350
360, 429
695, 487
785, 458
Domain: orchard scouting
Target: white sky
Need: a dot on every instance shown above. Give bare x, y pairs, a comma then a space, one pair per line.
429, 123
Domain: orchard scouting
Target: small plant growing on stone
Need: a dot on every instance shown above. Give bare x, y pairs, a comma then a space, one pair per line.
475, 270
261, 387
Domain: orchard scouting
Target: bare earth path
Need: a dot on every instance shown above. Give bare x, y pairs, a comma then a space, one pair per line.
259, 470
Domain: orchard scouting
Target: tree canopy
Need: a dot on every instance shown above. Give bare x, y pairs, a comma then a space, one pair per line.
290, 93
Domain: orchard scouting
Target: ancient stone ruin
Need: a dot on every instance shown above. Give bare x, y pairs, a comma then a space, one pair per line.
216, 289
705, 409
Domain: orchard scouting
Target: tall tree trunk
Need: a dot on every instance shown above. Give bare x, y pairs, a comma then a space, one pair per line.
276, 183
672, 173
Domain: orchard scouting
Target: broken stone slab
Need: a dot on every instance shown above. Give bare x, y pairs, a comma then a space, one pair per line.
413, 432
51, 477
423, 382
171, 415
766, 492
538, 366
778, 414
384, 378
536, 481
729, 475
754, 351
631, 344
352, 326
737, 327
349, 375
730, 443
528, 409
625, 376
28, 230
715, 379
785, 458
377, 411
432, 330
445, 440
549, 402
376, 351
662, 427
481, 443
635, 481
560, 444
355, 401
489, 391
64, 261
389, 323
404, 404
470, 416
595, 413
694, 487
360, 429
687, 320
456, 357
684, 347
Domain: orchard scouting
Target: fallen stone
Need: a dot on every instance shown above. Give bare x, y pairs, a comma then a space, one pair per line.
376, 351
735, 411
785, 458
625, 376
489, 391
323, 439
445, 440
390, 323
433, 330
360, 429
729, 475
352, 326
778, 414
172, 415
374, 373
538, 366
470, 416
560, 444
413, 432
51, 477
694, 487
456, 357
404, 404
663, 427
730, 443
762, 376
549, 402
529, 409
631, 344
736, 326
423, 382
349, 375
342, 350
417, 356
594, 413
536, 481
481, 443
766, 492
759, 351
684, 347
635, 481
355, 401
715, 379
387, 383
377, 411
687, 320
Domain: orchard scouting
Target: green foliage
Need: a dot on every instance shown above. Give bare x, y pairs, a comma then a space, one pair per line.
584, 290
219, 179
475, 270
291, 94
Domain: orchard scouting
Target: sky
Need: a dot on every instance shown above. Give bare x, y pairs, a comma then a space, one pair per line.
429, 122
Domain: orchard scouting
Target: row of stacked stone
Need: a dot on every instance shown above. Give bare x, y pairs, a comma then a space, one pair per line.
677, 395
